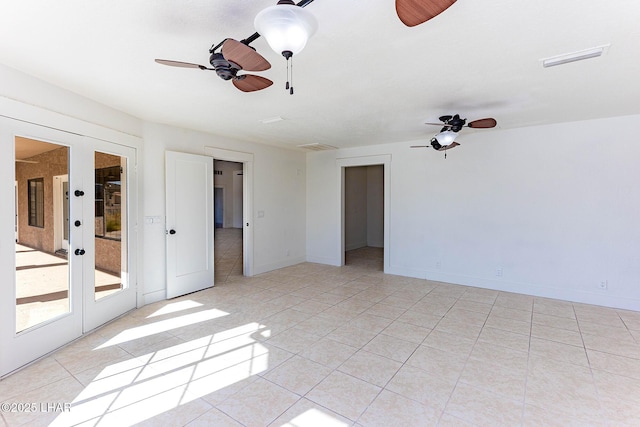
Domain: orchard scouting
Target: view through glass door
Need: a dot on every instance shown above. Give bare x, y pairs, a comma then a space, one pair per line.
72, 263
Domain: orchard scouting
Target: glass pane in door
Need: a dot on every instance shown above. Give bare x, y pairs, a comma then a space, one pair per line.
42, 269
110, 224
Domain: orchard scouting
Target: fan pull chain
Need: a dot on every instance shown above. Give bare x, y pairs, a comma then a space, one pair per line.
288, 86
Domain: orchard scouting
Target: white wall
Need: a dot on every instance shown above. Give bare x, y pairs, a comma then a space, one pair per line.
554, 208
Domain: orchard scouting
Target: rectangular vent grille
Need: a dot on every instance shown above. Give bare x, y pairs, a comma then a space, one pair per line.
316, 146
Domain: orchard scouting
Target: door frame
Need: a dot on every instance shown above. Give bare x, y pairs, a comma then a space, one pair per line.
20, 349
342, 163
247, 199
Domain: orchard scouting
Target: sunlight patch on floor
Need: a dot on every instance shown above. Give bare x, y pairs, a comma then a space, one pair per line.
175, 307
163, 326
141, 388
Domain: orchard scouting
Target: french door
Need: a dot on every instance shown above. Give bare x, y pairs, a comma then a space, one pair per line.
71, 267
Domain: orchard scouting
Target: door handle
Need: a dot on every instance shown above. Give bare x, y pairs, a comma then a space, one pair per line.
77, 223
172, 231
78, 193
79, 252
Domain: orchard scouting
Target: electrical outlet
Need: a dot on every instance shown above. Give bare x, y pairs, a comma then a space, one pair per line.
604, 285
499, 272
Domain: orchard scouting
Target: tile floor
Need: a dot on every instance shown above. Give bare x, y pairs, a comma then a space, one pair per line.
314, 345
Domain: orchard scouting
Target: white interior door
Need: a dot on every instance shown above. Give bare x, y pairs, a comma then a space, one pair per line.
190, 226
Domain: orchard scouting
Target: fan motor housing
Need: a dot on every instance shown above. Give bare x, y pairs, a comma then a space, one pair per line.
224, 69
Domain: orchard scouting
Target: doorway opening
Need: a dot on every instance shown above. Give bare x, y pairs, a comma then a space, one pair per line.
228, 219
364, 216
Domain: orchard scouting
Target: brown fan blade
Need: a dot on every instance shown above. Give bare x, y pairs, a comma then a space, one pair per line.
251, 83
448, 147
420, 146
244, 56
181, 64
439, 124
483, 123
415, 12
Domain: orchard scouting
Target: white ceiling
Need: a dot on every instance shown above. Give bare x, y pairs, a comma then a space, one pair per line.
364, 78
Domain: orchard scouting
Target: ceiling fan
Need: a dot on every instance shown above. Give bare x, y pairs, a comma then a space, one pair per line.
451, 125
416, 12
236, 56
232, 58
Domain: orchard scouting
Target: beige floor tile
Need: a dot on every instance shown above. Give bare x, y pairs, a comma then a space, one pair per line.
293, 340
619, 332
386, 310
505, 324
39, 374
344, 394
515, 301
371, 323
486, 296
390, 409
459, 328
352, 335
511, 313
620, 413
555, 321
298, 375
214, 417
504, 356
259, 403
328, 352
470, 317
320, 326
422, 386
536, 416
498, 379
556, 308
446, 365
503, 338
616, 387
562, 387
483, 408
556, 334
448, 420
619, 365
559, 351
420, 318
407, 332
370, 367
469, 305
449, 342
620, 347
305, 413
391, 347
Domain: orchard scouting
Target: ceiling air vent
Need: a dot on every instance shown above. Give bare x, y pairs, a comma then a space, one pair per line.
316, 146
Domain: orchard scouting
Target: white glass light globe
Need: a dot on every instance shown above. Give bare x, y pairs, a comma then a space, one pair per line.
286, 27
446, 137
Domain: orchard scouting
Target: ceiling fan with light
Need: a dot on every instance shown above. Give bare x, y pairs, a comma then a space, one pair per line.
277, 23
451, 125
